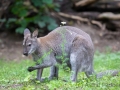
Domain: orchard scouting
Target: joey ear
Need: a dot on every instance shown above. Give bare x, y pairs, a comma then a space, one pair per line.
27, 32
35, 34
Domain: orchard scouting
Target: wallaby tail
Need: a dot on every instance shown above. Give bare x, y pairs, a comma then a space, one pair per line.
108, 72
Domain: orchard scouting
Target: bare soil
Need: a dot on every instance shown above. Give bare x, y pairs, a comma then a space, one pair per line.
11, 44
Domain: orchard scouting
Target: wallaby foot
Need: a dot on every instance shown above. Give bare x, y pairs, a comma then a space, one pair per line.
53, 77
41, 80
74, 77
89, 73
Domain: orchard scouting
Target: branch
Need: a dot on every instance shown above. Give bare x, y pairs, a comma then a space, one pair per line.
82, 19
73, 17
85, 3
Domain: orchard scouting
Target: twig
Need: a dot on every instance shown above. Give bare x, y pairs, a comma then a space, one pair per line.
102, 26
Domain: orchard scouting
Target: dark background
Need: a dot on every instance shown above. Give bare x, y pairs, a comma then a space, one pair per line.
99, 18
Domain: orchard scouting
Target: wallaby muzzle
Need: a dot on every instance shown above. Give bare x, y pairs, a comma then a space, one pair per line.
25, 53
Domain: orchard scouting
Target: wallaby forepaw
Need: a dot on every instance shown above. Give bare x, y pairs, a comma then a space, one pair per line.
30, 69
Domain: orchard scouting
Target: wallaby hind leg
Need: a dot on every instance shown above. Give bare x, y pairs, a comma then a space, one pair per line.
53, 72
81, 57
74, 67
74, 73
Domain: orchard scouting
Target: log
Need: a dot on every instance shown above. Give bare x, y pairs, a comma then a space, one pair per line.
100, 6
109, 15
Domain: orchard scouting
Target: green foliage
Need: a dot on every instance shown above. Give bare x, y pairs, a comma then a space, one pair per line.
14, 76
110, 60
64, 57
31, 12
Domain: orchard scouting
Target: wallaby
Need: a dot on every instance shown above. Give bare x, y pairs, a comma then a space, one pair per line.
75, 43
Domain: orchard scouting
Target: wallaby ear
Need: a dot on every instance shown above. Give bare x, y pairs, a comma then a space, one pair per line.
35, 33
27, 32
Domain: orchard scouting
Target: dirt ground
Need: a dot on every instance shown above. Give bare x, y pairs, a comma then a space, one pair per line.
11, 45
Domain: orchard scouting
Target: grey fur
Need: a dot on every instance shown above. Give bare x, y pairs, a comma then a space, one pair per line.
75, 43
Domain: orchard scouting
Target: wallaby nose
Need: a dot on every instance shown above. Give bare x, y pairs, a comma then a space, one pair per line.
25, 53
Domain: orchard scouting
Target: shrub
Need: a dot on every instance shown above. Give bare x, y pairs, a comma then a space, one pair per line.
32, 13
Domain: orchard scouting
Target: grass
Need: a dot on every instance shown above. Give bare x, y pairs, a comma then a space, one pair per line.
14, 76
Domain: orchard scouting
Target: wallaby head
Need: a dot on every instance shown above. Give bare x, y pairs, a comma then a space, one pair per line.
30, 42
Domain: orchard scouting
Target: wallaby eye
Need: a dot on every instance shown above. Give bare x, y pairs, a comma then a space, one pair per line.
29, 44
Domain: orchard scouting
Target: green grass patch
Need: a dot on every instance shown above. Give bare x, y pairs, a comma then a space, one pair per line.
14, 76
